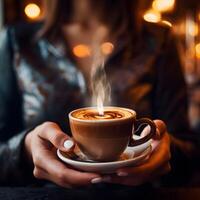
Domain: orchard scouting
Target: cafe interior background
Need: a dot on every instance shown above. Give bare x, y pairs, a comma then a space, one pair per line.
182, 16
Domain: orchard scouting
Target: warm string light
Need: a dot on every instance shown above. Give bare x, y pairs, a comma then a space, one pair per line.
32, 11
83, 51
163, 5
167, 23
154, 14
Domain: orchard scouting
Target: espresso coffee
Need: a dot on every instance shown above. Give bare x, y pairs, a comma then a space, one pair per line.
102, 137
93, 114
105, 137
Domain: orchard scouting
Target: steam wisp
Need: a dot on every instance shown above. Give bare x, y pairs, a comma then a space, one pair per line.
101, 90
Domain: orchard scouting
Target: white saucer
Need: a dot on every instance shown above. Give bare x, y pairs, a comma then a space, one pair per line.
132, 156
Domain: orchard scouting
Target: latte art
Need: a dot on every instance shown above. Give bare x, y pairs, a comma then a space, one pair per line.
107, 115
93, 114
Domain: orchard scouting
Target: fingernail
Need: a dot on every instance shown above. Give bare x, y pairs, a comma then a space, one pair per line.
122, 174
68, 144
96, 180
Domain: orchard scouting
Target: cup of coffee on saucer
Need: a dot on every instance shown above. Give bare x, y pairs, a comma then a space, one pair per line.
104, 137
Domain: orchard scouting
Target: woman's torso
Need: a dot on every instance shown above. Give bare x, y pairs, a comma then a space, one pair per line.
51, 84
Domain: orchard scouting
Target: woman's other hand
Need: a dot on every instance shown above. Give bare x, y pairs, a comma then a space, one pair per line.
157, 165
41, 145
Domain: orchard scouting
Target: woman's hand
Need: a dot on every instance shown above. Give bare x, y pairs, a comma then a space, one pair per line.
40, 147
157, 164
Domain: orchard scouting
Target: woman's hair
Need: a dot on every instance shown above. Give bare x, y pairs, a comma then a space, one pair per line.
121, 16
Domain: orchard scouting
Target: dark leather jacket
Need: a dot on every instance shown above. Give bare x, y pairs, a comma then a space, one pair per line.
40, 82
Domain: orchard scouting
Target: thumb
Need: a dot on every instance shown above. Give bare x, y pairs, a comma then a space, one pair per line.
161, 128
51, 132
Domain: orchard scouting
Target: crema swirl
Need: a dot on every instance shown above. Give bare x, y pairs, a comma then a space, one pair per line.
92, 114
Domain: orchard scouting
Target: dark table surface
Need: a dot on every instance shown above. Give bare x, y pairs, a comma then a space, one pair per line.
98, 192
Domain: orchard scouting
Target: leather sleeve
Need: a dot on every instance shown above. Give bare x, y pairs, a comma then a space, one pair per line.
170, 98
13, 167
11, 121
171, 106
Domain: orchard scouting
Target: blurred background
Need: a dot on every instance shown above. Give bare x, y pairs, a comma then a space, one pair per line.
183, 16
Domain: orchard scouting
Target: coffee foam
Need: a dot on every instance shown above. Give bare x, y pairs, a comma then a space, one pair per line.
109, 114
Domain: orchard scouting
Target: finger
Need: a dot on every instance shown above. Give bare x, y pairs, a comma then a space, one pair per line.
51, 132
59, 172
161, 128
160, 156
138, 179
155, 144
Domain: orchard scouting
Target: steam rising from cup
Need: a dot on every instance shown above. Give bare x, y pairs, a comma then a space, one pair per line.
101, 90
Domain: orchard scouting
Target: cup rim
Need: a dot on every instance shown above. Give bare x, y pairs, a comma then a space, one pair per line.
102, 120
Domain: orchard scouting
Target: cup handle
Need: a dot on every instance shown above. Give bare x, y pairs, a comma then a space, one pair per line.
138, 124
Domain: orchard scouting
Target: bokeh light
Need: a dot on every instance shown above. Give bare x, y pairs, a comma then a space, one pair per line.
32, 11
192, 28
163, 5
197, 49
167, 23
152, 16
81, 51
107, 48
